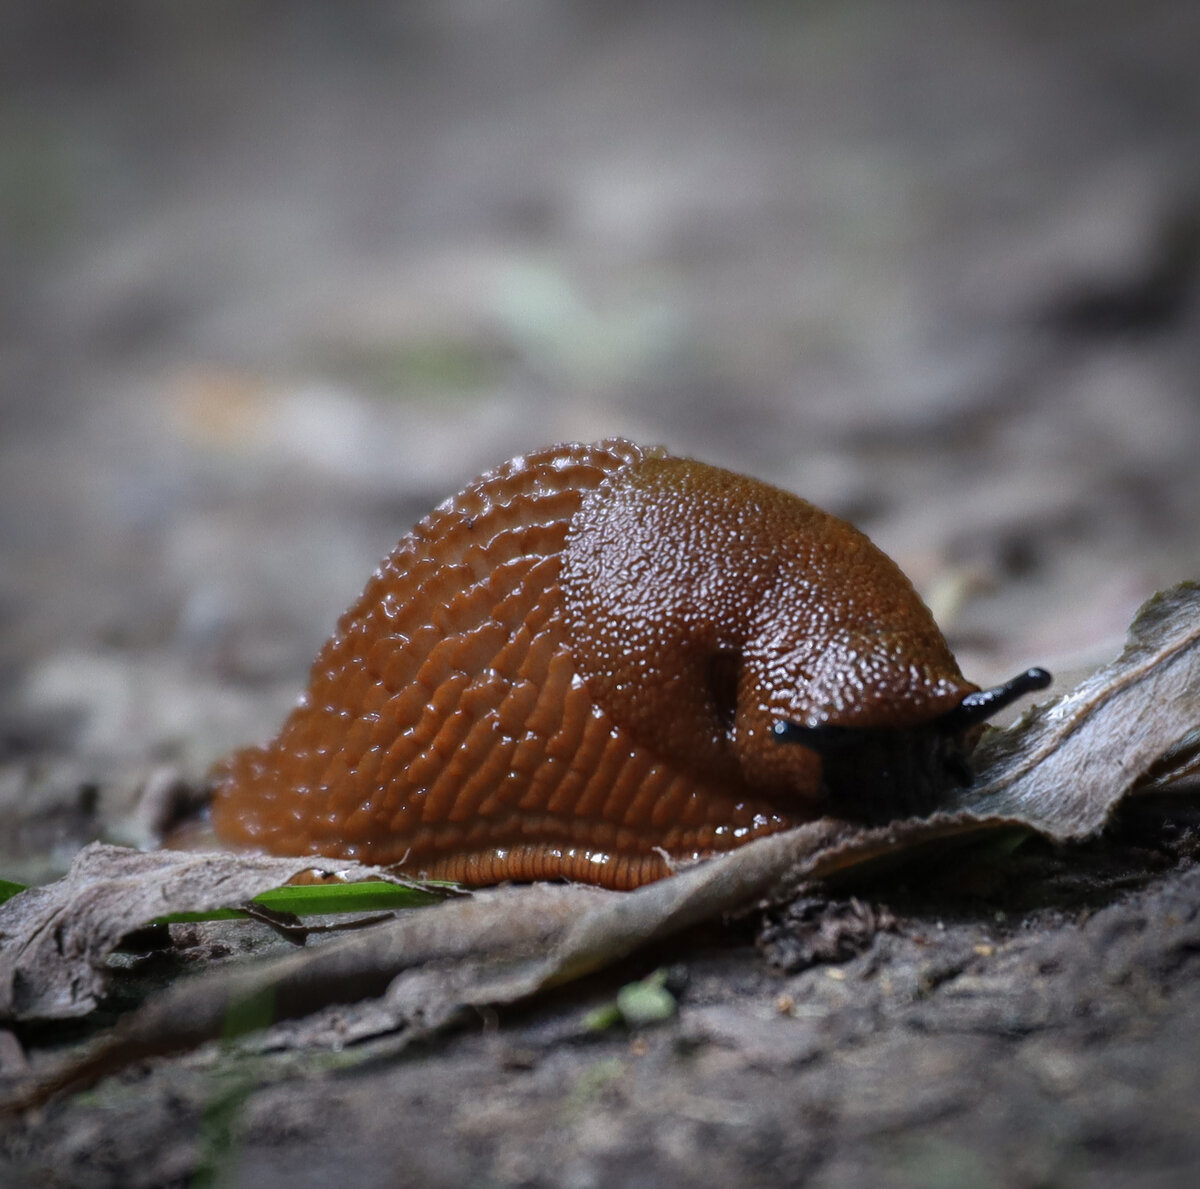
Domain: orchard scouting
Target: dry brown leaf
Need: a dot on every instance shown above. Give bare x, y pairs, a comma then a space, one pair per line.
54, 939
497, 947
1064, 768
1061, 771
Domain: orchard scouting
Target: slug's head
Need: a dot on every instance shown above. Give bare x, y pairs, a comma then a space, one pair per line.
849, 697
758, 642
878, 774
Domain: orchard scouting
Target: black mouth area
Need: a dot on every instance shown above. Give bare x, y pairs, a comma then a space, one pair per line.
875, 775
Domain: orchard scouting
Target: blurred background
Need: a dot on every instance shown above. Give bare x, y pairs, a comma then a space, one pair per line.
276, 278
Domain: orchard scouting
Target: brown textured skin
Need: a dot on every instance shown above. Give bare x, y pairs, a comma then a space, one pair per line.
526, 688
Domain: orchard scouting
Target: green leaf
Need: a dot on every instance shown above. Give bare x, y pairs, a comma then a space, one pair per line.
8, 889
637, 1004
647, 1002
607, 1015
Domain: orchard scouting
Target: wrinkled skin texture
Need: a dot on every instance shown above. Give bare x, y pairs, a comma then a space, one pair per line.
574, 667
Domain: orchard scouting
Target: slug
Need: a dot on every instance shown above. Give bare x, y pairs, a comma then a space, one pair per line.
598, 661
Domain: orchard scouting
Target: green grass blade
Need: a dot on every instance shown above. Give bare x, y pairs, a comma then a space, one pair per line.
320, 900
302, 900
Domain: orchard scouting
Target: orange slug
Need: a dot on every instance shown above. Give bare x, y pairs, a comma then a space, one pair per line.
600, 660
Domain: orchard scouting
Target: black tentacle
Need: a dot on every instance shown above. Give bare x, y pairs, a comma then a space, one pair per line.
977, 707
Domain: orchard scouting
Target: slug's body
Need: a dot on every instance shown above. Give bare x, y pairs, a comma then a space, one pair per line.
597, 660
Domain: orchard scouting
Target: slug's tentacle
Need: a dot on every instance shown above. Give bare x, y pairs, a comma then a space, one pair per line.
582, 667
978, 707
